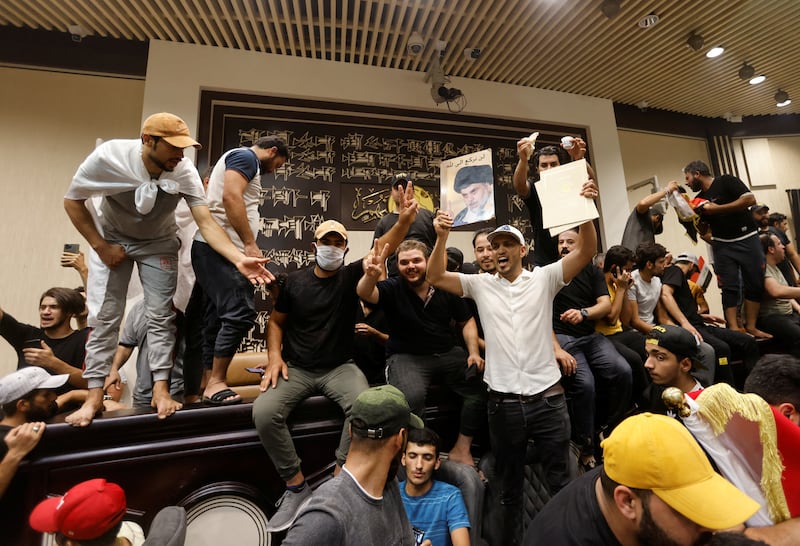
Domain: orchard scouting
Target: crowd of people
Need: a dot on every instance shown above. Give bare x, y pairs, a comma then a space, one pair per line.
575, 353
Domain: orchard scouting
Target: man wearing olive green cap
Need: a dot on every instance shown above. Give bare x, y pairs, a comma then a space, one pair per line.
363, 504
656, 488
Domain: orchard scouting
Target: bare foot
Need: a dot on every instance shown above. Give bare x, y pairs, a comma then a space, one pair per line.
758, 334
85, 414
164, 405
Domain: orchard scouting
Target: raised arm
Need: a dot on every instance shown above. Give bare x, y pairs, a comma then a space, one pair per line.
521, 184
373, 271
408, 213
577, 259
650, 200
438, 275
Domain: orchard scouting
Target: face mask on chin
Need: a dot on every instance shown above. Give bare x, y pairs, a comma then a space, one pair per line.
329, 258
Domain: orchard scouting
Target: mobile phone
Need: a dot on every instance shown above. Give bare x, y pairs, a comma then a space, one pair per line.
72, 248
32, 344
419, 535
256, 370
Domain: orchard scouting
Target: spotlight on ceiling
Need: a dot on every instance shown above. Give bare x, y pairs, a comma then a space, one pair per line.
77, 32
758, 79
695, 41
610, 8
747, 71
715, 52
649, 21
782, 98
415, 44
643, 105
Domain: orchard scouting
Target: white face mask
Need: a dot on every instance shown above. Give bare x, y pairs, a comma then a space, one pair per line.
329, 257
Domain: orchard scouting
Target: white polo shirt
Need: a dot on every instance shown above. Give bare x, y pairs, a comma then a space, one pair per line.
517, 320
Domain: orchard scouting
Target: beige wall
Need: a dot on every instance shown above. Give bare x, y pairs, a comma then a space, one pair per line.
646, 154
50, 123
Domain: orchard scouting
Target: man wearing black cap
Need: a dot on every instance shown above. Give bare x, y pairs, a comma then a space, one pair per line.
760, 214
420, 230
672, 356
141, 182
363, 504
475, 184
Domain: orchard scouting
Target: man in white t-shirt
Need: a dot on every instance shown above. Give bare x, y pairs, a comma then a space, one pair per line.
645, 293
526, 399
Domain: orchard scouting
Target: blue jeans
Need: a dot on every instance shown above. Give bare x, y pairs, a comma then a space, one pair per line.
230, 303
597, 362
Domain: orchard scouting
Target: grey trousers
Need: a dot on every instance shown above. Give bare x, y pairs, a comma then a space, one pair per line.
158, 271
342, 384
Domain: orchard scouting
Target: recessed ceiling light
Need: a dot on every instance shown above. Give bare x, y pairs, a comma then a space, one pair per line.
782, 98
758, 79
648, 20
747, 71
715, 52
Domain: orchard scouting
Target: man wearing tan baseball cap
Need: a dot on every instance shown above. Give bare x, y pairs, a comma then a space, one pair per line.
141, 182
656, 488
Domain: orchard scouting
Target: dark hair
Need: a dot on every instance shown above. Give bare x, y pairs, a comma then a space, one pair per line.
734, 539
265, 143
649, 252
484, 231
608, 486
10, 408
776, 218
767, 242
425, 437
697, 167
619, 256
563, 157
413, 244
776, 379
69, 300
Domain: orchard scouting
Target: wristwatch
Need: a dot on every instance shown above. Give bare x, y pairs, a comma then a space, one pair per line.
584, 313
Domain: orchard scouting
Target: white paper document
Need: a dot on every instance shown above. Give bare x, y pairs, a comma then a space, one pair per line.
559, 193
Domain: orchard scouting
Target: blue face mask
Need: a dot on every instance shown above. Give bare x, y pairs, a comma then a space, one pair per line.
329, 257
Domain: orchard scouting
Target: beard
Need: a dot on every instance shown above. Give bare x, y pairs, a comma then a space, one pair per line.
650, 534
41, 414
658, 226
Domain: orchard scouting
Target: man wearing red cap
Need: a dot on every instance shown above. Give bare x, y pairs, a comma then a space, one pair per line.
141, 183
90, 511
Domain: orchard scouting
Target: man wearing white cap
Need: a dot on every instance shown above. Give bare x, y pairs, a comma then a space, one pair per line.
141, 182
656, 488
27, 398
526, 400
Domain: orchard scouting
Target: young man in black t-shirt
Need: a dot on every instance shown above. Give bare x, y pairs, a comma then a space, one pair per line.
310, 345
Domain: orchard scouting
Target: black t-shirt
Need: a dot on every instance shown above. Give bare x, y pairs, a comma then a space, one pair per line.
416, 326
321, 315
572, 518
4, 429
727, 189
638, 230
674, 277
545, 247
581, 292
70, 349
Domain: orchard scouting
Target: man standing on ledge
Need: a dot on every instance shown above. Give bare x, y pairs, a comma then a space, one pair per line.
526, 399
734, 239
234, 193
141, 182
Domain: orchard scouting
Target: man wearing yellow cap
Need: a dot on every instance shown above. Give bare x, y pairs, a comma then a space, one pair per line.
140, 182
656, 488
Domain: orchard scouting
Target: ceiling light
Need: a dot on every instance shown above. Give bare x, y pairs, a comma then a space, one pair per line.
758, 79
782, 98
610, 8
648, 20
695, 41
747, 71
715, 52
